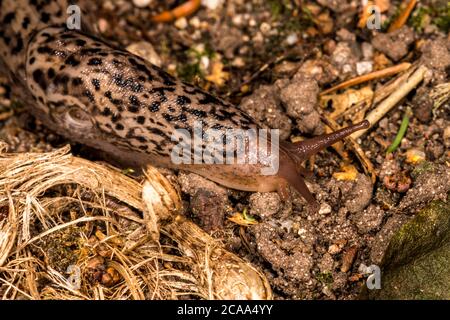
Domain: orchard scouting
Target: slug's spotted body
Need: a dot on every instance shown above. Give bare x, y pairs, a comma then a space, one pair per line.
118, 96
99, 95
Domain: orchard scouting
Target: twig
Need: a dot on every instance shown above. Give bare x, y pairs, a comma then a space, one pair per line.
403, 17
370, 76
185, 9
6, 115
379, 95
386, 105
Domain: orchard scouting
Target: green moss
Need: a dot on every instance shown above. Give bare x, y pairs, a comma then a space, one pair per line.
438, 16
279, 7
191, 70
425, 166
443, 18
188, 72
325, 277
419, 19
415, 265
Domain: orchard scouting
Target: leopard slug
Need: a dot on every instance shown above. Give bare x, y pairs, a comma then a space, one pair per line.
97, 94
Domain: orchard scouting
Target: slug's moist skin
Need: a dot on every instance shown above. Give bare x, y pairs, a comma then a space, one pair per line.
97, 94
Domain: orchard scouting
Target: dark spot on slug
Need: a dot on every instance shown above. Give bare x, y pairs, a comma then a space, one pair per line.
80, 42
45, 17
134, 101
89, 95
94, 62
77, 81
9, 17
168, 117
45, 50
88, 51
96, 84
116, 117
25, 22
198, 113
72, 61
39, 78
19, 45
183, 100
51, 73
154, 107
106, 112
210, 99
133, 109
140, 119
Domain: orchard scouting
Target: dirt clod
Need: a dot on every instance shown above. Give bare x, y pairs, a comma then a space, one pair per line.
395, 44
369, 219
263, 105
300, 98
264, 204
209, 208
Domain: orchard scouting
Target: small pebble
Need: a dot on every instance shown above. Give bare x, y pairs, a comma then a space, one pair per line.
292, 39
195, 22
364, 67
204, 63
367, 50
325, 208
238, 62
181, 23
212, 4
103, 25
146, 51
237, 20
141, 3
265, 27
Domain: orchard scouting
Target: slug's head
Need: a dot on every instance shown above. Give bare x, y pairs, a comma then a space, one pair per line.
292, 155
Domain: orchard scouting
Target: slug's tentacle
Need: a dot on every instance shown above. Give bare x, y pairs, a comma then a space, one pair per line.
302, 150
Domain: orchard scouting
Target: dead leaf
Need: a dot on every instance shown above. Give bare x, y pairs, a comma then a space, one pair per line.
341, 102
218, 76
241, 220
348, 173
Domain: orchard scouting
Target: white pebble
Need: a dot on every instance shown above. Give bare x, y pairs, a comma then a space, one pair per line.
181, 23
146, 51
212, 4
204, 63
367, 50
237, 20
103, 25
238, 62
195, 22
292, 39
364, 67
141, 3
325, 208
265, 27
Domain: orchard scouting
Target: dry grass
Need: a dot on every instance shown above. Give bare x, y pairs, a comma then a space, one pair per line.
74, 229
